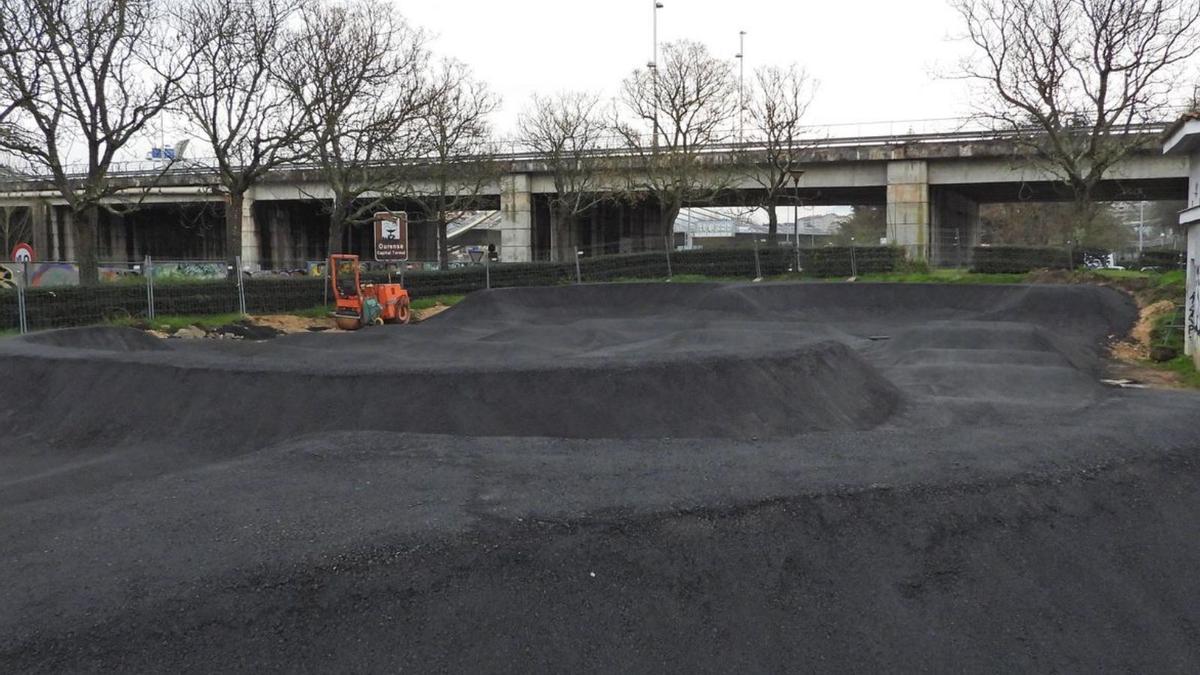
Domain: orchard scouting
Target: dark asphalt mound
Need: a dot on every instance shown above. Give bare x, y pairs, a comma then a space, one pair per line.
699, 478
103, 338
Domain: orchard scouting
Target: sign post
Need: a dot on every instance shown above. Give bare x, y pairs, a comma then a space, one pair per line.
391, 237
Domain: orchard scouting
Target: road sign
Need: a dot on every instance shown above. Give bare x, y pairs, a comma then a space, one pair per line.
476, 254
22, 253
391, 237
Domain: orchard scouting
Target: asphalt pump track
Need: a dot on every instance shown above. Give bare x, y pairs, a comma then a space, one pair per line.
691, 477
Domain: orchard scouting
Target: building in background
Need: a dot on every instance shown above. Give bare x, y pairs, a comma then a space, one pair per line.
1184, 139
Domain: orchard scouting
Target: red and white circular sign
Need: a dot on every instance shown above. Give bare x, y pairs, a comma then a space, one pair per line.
22, 253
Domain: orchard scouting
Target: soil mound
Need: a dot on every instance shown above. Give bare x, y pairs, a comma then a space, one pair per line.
719, 478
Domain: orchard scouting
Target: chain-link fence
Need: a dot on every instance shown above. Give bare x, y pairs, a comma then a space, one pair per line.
40, 296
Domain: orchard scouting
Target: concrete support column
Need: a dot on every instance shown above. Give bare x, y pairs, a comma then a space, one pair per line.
954, 230
516, 218
250, 237
279, 230
67, 245
908, 213
39, 225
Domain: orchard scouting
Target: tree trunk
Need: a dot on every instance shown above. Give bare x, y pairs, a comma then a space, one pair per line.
668, 215
337, 229
233, 231
772, 226
86, 226
443, 245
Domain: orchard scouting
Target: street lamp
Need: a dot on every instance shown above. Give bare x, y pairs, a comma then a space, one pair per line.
653, 66
741, 57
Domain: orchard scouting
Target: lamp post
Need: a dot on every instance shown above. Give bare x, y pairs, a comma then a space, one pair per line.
653, 66
741, 57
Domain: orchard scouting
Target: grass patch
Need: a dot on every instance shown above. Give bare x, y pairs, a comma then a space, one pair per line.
318, 312
1168, 331
169, 323
422, 304
1184, 368
944, 277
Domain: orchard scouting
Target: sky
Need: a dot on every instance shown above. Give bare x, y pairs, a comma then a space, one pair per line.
876, 60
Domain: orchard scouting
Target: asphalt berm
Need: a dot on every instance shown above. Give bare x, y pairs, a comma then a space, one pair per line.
714, 478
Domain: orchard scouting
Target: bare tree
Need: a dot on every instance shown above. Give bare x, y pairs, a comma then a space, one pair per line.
457, 132
677, 110
234, 96
778, 102
568, 130
1075, 78
358, 72
83, 78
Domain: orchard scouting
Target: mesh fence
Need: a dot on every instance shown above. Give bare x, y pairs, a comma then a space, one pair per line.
33, 299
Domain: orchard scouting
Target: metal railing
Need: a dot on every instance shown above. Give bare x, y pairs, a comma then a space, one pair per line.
814, 137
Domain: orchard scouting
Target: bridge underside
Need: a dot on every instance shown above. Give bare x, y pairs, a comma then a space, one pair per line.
930, 220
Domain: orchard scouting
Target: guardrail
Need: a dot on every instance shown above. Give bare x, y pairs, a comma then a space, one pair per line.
511, 151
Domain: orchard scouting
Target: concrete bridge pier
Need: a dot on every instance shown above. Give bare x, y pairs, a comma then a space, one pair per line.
516, 218
908, 207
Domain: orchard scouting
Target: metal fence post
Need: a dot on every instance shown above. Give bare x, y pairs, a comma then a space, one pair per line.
578, 270
325, 279
148, 272
757, 261
853, 258
22, 321
241, 284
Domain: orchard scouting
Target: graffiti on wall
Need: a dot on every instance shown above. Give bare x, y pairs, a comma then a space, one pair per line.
190, 271
52, 274
1193, 320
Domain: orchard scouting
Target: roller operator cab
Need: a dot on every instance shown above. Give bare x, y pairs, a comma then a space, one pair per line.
359, 304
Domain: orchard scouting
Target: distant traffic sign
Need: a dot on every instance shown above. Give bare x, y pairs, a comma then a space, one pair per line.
23, 253
391, 237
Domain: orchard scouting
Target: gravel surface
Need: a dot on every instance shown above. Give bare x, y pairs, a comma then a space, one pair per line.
626, 477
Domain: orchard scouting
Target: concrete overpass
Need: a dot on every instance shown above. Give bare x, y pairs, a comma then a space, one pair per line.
931, 183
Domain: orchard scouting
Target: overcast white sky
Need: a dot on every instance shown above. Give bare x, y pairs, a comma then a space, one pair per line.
876, 59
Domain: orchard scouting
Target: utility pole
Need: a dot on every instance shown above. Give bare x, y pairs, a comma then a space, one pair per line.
741, 57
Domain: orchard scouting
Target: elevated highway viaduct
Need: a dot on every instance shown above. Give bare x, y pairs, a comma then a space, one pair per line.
931, 184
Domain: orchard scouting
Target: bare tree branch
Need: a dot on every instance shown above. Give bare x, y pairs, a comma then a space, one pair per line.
457, 133
672, 116
84, 77
234, 97
1075, 78
358, 73
778, 103
567, 130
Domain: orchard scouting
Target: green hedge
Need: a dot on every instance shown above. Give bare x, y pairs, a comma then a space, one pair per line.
78, 306
1021, 259
1162, 258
